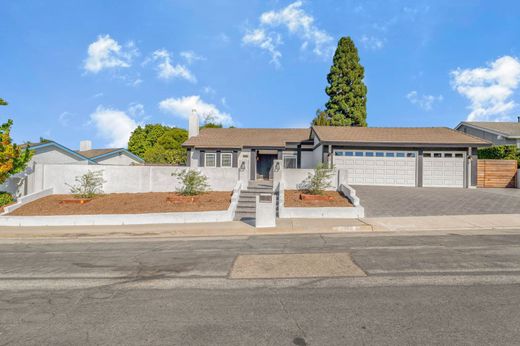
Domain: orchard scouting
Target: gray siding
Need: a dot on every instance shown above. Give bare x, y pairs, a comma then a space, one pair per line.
493, 138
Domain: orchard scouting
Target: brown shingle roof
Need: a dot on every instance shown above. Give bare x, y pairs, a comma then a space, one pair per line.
508, 128
398, 135
239, 138
96, 152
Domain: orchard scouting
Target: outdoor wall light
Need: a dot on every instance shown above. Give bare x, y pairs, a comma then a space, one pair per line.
243, 166
277, 167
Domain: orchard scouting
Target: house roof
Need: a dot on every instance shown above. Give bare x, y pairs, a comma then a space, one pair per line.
436, 136
248, 137
506, 128
49, 143
97, 153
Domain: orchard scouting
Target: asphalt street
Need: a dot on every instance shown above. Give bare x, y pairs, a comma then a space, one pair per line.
418, 289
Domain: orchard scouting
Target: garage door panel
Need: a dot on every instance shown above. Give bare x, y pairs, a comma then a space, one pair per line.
443, 171
372, 170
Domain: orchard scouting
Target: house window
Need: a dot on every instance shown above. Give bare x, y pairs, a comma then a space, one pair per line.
369, 153
210, 159
400, 154
358, 153
289, 161
226, 159
380, 154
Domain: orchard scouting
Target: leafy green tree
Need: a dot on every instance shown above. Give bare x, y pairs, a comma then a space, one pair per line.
321, 118
318, 181
346, 90
500, 152
13, 159
192, 182
157, 143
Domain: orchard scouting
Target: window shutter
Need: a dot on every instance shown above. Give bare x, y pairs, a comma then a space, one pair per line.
218, 159
235, 159
201, 158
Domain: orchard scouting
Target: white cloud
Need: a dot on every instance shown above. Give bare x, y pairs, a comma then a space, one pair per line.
372, 42
107, 53
209, 90
261, 39
190, 56
65, 118
489, 89
165, 69
298, 23
136, 110
183, 106
113, 125
423, 101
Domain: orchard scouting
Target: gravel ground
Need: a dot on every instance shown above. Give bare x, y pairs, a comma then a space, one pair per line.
126, 203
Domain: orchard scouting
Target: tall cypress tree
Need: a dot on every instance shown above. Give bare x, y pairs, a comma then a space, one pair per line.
347, 91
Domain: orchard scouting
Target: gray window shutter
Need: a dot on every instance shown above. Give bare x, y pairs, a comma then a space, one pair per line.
201, 158
235, 159
218, 158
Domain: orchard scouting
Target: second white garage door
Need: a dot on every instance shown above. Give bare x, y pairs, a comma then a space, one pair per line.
396, 168
443, 169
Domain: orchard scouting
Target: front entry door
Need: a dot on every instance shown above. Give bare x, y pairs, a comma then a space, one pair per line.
264, 162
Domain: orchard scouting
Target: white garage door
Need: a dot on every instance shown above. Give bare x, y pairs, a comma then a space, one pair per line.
443, 169
395, 168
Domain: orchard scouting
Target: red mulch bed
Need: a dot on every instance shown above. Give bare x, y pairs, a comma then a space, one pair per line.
337, 199
127, 203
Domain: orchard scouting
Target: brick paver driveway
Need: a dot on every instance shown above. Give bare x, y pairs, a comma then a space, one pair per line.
414, 201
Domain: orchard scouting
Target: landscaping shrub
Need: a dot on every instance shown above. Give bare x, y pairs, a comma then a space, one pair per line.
500, 152
192, 182
5, 198
318, 181
88, 185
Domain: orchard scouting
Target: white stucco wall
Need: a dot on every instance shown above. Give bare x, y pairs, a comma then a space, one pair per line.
118, 159
128, 178
292, 178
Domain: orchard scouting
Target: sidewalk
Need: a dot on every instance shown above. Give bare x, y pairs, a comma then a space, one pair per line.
284, 226
449, 222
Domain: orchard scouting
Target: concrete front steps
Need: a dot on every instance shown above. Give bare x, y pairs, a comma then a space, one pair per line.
246, 208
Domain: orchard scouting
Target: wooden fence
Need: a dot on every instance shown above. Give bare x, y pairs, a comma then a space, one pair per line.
496, 173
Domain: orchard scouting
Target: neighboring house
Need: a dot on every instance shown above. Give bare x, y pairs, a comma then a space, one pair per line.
498, 133
53, 152
439, 157
109, 156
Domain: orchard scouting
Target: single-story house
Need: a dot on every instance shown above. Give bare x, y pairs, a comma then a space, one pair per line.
52, 152
498, 133
437, 157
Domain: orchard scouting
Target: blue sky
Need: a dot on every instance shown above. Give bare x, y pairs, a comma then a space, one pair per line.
74, 70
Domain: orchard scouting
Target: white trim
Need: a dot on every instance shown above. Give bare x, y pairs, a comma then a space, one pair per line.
206, 159
230, 160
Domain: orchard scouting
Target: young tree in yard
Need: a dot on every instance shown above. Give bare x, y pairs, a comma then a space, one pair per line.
318, 181
192, 182
13, 159
157, 143
88, 185
321, 118
346, 90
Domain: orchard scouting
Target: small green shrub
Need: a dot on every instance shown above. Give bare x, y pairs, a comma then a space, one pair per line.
5, 198
192, 182
88, 185
500, 152
318, 181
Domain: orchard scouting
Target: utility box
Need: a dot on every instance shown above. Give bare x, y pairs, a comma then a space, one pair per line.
265, 210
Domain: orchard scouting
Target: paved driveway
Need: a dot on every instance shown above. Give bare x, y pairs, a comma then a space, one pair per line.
427, 201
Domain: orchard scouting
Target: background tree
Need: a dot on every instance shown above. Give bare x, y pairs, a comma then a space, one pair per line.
13, 159
321, 118
346, 90
157, 143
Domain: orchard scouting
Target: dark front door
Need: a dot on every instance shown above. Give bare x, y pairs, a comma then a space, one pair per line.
264, 162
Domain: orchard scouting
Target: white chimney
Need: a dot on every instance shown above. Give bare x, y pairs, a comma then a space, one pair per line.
193, 124
85, 145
